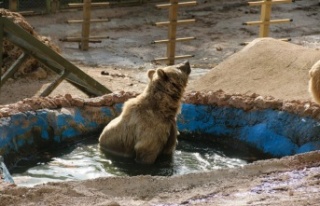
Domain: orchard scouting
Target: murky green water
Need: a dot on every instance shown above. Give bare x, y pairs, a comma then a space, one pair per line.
85, 161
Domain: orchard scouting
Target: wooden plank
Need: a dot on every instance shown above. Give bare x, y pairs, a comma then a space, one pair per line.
91, 21
284, 39
40, 51
13, 68
84, 45
79, 39
57, 68
55, 83
92, 39
177, 40
259, 3
180, 4
275, 21
179, 22
27, 13
176, 57
78, 78
97, 4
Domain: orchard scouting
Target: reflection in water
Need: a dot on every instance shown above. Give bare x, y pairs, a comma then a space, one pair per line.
86, 161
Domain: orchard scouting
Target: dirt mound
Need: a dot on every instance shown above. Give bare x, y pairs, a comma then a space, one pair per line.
265, 66
11, 52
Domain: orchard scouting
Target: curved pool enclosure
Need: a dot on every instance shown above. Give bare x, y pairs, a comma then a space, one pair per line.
277, 128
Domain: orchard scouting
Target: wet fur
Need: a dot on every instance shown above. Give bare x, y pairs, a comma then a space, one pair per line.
147, 127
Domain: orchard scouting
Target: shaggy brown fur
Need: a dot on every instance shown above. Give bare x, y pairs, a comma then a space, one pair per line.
314, 82
147, 127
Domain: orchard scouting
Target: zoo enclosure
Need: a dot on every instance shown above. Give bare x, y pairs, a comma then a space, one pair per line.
47, 6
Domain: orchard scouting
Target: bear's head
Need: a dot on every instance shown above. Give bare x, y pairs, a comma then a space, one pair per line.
171, 80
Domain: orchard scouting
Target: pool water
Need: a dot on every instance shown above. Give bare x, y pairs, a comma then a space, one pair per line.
86, 161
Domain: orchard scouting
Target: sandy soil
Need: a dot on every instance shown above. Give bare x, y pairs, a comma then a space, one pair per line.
126, 56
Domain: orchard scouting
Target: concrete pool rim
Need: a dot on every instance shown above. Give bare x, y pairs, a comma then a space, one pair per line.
280, 128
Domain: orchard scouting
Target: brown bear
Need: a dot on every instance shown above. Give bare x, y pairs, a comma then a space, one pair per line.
147, 125
314, 82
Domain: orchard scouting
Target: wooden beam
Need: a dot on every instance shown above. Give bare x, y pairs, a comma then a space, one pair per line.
78, 39
179, 22
176, 57
275, 21
259, 3
13, 68
91, 21
176, 40
283, 39
50, 58
180, 4
91, 38
26, 13
97, 4
55, 83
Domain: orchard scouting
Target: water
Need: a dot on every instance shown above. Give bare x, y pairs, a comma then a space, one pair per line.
85, 161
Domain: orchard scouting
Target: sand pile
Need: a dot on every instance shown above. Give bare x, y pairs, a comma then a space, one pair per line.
266, 67
11, 52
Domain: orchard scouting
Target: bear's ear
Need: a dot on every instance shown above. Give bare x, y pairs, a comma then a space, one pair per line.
151, 73
185, 67
162, 74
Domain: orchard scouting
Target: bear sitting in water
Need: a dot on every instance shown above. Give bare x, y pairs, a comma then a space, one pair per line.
147, 126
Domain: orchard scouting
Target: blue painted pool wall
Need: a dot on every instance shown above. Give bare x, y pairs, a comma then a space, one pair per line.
275, 132
55, 126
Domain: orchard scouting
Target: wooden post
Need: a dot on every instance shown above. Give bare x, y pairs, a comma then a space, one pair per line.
265, 18
172, 31
48, 5
86, 20
86, 25
52, 6
13, 5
